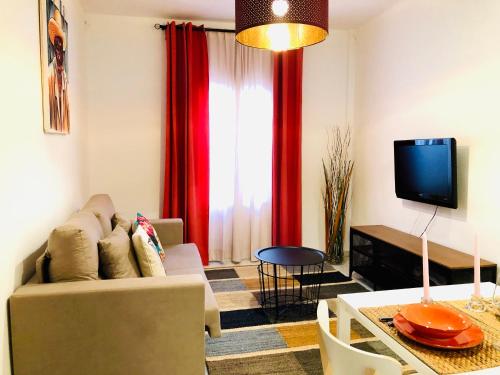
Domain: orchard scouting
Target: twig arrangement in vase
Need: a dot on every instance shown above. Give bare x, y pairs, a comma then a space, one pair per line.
337, 170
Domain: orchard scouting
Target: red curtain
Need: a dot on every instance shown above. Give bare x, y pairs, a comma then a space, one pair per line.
287, 155
186, 183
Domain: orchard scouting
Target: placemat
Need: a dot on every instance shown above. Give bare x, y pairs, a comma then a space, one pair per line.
442, 361
488, 318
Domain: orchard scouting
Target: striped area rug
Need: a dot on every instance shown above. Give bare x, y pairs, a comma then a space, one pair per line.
251, 344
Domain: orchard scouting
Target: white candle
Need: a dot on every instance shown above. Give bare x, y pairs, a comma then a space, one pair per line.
425, 268
477, 269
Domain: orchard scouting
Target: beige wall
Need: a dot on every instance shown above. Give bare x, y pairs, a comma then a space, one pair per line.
326, 104
126, 71
427, 69
125, 92
42, 179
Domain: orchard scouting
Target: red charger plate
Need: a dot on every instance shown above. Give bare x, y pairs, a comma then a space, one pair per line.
433, 320
468, 338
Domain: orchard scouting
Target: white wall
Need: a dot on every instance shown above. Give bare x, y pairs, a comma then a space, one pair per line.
126, 84
326, 104
125, 92
42, 178
428, 69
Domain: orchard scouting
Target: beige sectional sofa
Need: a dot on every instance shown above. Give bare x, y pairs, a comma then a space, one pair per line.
132, 326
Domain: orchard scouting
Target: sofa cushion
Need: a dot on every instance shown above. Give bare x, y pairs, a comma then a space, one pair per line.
122, 221
102, 207
184, 256
72, 249
212, 314
147, 255
185, 260
116, 256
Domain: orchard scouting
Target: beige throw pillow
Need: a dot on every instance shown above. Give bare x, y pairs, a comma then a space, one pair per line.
42, 268
116, 256
122, 221
72, 249
147, 256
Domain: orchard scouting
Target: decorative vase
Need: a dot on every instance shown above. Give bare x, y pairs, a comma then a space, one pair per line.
335, 240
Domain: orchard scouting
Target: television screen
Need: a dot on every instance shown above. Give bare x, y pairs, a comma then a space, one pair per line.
425, 171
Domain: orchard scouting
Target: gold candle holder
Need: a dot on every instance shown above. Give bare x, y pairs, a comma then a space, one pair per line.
476, 304
428, 301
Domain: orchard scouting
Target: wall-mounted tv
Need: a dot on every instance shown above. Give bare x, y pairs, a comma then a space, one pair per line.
426, 171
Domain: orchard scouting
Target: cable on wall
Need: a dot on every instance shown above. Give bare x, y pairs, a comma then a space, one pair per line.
430, 221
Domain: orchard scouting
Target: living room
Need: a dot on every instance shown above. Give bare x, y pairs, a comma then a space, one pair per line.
388, 70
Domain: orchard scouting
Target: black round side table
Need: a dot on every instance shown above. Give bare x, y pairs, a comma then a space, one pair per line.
289, 276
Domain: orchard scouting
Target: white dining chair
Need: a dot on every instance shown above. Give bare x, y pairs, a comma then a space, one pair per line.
339, 358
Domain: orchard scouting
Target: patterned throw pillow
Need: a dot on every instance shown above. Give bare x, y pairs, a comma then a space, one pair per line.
147, 256
144, 223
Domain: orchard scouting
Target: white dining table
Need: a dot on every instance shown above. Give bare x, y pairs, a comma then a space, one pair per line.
348, 306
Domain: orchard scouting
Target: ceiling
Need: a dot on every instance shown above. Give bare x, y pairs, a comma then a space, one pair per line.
344, 14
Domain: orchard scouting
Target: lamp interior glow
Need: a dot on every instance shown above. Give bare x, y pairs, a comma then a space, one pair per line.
279, 37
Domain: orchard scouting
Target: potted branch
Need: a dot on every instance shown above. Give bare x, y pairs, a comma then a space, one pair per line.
337, 170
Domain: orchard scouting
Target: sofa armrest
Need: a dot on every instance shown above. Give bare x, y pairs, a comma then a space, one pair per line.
170, 231
109, 327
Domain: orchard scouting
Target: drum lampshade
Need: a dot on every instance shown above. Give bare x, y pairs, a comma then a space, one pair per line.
281, 25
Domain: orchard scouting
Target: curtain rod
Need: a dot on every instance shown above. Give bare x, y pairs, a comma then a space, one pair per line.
163, 27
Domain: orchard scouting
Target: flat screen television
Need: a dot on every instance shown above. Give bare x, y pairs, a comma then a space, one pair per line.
426, 171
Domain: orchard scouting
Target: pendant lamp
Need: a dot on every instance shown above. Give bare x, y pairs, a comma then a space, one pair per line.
281, 25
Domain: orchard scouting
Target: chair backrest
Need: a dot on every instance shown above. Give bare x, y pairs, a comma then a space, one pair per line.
339, 358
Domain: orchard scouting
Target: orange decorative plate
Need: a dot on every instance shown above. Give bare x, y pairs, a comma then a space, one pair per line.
469, 338
433, 320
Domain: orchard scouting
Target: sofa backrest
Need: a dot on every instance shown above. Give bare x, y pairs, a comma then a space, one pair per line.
102, 207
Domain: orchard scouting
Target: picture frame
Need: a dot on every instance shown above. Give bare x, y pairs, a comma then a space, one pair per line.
54, 67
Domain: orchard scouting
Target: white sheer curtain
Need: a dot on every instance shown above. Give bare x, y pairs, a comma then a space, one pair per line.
241, 115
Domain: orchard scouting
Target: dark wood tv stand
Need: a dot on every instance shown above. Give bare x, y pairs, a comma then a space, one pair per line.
390, 259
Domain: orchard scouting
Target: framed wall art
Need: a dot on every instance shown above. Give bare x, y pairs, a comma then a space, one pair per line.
54, 61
